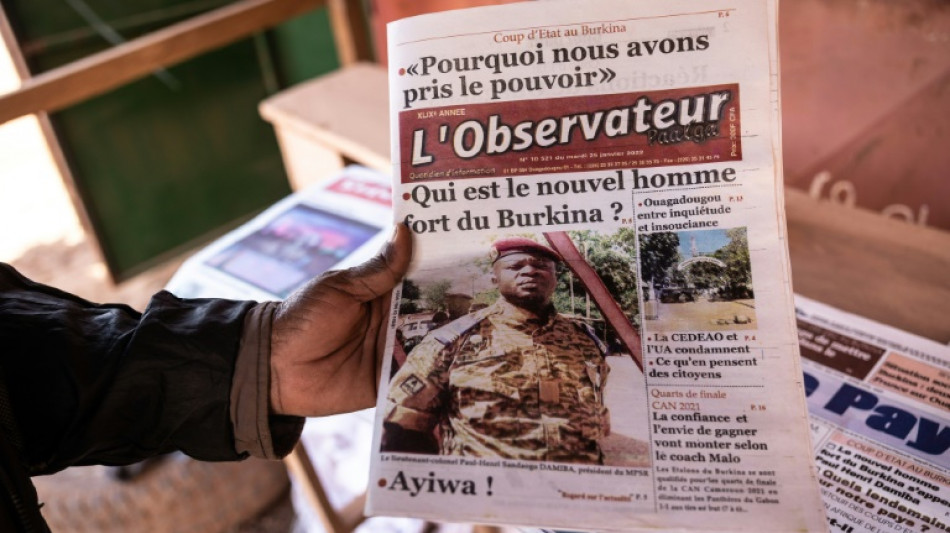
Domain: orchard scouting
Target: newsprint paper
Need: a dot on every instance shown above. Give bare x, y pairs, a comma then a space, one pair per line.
597, 331
879, 400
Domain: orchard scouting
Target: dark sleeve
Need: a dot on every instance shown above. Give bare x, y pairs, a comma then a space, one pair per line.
257, 431
104, 384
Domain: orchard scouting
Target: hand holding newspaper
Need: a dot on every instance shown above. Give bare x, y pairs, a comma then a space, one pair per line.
598, 330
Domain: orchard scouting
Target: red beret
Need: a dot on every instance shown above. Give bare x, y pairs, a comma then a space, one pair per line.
520, 245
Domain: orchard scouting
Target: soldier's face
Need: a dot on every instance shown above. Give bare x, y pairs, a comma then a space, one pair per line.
525, 279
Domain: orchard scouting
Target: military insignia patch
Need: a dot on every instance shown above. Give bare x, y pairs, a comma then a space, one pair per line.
412, 385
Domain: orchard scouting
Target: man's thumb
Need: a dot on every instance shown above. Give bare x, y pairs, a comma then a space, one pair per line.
381, 273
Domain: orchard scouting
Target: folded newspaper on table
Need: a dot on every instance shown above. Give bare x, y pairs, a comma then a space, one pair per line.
597, 331
879, 400
336, 223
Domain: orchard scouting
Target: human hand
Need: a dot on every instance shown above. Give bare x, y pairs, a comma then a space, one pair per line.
328, 337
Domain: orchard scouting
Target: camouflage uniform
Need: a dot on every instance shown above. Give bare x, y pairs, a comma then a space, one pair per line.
500, 383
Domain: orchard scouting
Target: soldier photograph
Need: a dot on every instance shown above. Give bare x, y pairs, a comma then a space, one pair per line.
512, 379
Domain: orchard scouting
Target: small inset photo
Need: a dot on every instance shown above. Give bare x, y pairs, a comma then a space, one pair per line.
696, 280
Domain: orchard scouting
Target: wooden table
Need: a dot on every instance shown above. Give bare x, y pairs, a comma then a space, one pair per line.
324, 123
858, 261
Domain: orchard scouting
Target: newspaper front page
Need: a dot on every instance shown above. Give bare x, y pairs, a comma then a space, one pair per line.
879, 400
597, 331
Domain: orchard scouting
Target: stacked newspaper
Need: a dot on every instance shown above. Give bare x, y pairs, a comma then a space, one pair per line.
597, 331
335, 223
879, 400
